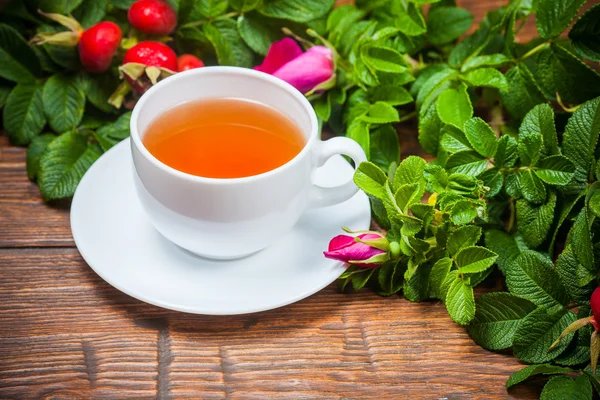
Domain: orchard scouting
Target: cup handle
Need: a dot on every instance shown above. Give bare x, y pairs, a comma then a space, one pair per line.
328, 196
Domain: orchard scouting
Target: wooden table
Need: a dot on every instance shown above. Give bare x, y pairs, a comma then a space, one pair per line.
66, 334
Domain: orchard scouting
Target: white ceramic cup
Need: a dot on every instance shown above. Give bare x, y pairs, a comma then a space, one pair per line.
232, 218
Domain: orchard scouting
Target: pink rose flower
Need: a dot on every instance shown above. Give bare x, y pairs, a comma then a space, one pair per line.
347, 249
304, 71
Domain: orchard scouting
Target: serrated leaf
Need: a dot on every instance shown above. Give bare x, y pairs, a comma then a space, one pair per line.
454, 107
553, 17
460, 301
472, 260
391, 277
407, 195
446, 24
394, 96
582, 241
481, 136
429, 130
532, 187
111, 134
244, 5
296, 10
488, 60
90, 12
581, 137
416, 283
584, 34
497, 319
58, 6
409, 171
507, 154
537, 331
534, 222
408, 18
381, 113
18, 61
36, 148
504, 245
538, 123
64, 102
555, 170
533, 370
64, 163
488, 77
231, 49
23, 114
99, 88
384, 59
203, 9
385, 149
454, 140
360, 279
564, 387
523, 93
463, 212
439, 272
359, 132
256, 34
371, 179
533, 277
462, 237
493, 179
466, 162
567, 266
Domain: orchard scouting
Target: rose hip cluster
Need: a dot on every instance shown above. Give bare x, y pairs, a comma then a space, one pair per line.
143, 63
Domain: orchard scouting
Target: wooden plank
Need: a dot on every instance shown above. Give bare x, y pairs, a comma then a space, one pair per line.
64, 330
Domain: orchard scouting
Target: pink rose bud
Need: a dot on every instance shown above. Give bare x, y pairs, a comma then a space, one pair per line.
349, 250
304, 71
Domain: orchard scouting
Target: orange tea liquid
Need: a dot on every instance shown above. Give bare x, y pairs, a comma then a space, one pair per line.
223, 138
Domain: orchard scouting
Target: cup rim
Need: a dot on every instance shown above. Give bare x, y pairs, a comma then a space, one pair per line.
269, 79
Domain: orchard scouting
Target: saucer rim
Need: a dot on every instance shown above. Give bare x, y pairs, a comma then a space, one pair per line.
196, 310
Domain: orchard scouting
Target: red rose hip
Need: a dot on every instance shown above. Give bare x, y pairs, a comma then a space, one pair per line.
98, 45
186, 62
154, 17
148, 60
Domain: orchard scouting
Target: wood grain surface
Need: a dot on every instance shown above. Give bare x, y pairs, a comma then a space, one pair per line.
66, 334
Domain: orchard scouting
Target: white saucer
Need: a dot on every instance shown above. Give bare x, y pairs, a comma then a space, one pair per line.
117, 240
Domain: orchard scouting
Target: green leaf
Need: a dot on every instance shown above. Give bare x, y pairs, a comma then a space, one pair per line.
429, 130
385, 149
111, 134
256, 34
454, 107
553, 17
454, 140
381, 113
504, 245
391, 277
466, 162
488, 77
296, 10
530, 148
533, 277
407, 195
23, 114
58, 6
360, 279
532, 370
555, 170
537, 331
64, 163
582, 240
18, 62
384, 59
408, 18
230, 47
534, 222
594, 203
416, 283
439, 272
64, 102
99, 88
122, 4
409, 171
90, 12
506, 155
481, 137
394, 96
463, 212
488, 60
539, 123
371, 179
580, 138
523, 93
564, 387
34, 152
493, 179
532, 187
584, 34
465, 236
4, 93
244, 5
460, 301
497, 319
446, 24
359, 132
474, 259
207, 9
567, 266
